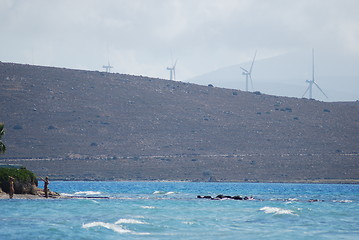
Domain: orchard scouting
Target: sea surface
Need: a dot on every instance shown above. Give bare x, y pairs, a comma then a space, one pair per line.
171, 210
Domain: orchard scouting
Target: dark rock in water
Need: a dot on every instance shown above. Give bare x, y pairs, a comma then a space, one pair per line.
221, 196
315, 200
203, 196
238, 198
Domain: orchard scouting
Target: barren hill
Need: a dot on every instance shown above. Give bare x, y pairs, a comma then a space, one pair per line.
73, 124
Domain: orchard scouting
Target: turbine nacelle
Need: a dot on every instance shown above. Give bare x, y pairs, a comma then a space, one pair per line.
107, 67
172, 70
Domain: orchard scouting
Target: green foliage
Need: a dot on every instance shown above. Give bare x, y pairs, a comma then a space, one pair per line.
2, 132
21, 175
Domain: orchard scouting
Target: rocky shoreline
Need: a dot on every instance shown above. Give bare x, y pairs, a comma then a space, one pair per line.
20, 196
38, 195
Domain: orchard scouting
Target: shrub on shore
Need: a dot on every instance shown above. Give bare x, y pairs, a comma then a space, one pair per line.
25, 180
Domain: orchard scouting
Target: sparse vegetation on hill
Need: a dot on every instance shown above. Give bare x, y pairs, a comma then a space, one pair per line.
72, 124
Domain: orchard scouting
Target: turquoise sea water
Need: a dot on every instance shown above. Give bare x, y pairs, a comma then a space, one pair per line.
171, 210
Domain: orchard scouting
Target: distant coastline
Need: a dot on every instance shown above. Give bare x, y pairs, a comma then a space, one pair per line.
318, 181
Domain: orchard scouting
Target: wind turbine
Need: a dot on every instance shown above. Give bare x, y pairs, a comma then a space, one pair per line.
248, 74
107, 67
311, 82
172, 70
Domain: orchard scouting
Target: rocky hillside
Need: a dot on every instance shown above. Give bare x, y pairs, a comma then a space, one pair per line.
73, 124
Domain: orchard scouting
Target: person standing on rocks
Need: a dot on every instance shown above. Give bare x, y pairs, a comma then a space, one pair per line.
46, 186
11, 187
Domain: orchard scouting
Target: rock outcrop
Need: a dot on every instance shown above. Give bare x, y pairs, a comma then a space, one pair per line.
222, 197
25, 181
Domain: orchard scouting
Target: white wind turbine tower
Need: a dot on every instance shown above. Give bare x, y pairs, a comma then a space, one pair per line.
107, 67
248, 74
311, 82
172, 70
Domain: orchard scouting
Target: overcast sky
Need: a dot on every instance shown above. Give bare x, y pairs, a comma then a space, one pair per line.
139, 36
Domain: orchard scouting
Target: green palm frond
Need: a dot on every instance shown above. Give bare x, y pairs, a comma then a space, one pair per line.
2, 132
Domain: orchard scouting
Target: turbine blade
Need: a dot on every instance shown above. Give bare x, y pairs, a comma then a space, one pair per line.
320, 89
306, 91
313, 64
250, 70
244, 69
174, 65
174, 73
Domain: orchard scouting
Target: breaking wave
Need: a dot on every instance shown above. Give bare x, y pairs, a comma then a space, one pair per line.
159, 192
87, 193
116, 227
164, 193
111, 226
131, 221
276, 210
343, 201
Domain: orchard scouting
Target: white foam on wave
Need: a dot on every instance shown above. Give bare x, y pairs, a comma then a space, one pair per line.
159, 192
66, 194
116, 227
130, 221
148, 207
87, 193
276, 210
111, 226
162, 192
188, 223
343, 201
293, 199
